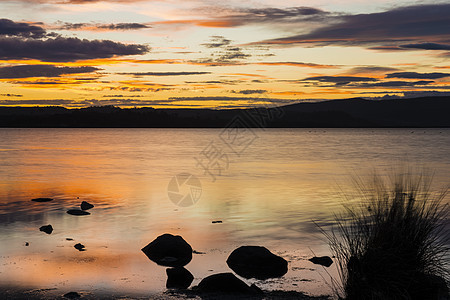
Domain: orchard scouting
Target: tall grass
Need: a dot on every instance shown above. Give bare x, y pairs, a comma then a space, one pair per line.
393, 244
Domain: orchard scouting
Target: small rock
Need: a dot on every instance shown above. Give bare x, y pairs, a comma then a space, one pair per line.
225, 283
69, 239
86, 205
48, 229
42, 199
77, 212
169, 250
27, 244
80, 247
257, 262
215, 222
178, 278
322, 260
72, 295
198, 252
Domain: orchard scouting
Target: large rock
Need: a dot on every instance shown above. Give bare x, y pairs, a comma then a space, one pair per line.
86, 205
226, 283
257, 262
78, 212
322, 260
42, 199
178, 278
48, 229
169, 250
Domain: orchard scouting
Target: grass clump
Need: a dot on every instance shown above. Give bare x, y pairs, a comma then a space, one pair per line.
394, 244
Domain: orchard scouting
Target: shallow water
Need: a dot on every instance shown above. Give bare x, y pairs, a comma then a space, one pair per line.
269, 192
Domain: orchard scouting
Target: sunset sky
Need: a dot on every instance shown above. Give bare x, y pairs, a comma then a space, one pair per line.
220, 54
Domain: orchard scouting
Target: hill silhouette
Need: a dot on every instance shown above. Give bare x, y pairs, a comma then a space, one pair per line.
347, 113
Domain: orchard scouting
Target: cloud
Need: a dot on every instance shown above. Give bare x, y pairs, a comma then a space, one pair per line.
371, 69
99, 27
11, 28
28, 71
249, 92
11, 95
297, 64
237, 17
65, 49
408, 23
392, 84
165, 73
339, 80
415, 75
427, 46
217, 41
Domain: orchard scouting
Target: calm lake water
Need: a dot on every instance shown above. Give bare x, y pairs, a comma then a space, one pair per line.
271, 189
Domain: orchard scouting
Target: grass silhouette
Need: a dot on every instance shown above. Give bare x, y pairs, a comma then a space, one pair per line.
393, 244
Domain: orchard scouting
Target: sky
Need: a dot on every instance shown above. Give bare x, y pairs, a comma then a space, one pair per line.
220, 54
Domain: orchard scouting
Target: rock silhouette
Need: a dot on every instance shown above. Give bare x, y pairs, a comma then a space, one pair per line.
169, 250
78, 212
86, 205
79, 247
42, 199
178, 278
226, 283
72, 295
322, 260
257, 262
48, 229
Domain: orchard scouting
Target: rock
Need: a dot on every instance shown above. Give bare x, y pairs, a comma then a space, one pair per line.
198, 252
86, 205
169, 250
225, 283
257, 262
178, 278
322, 260
80, 247
72, 295
77, 212
42, 199
48, 229
216, 222
27, 244
69, 239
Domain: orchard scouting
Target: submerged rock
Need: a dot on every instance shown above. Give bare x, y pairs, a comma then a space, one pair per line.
48, 229
217, 222
79, 247
169, 250
322, 260
78, 212
178, 278
72, 295
257, 262
42, 199
225, 283
86, 205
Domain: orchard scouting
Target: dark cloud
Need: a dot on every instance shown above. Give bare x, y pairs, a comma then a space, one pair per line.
427, 46
415, 75
249, 92
338, 80
410, 23
96, 26
11, 95
217, 41
11, 28
396, 84
165, 73
27, 71
65, 49
371, 69
236, 99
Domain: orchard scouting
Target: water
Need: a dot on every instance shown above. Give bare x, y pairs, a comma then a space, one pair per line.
268, 195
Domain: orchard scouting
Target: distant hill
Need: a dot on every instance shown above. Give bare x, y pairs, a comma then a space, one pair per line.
417, 112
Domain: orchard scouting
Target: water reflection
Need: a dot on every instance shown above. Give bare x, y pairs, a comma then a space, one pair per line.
268, 197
